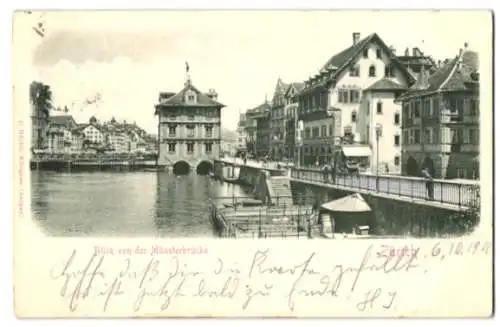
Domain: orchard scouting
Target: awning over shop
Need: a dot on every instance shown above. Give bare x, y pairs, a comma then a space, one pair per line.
357, 151
350, 203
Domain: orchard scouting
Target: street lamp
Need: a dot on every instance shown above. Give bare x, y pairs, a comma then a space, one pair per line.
378, 133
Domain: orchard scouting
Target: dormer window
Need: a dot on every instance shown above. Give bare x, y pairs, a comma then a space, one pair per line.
372, 71
379, 54
365, 53
191, 97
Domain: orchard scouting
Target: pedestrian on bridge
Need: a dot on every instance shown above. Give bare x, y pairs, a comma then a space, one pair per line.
429, 183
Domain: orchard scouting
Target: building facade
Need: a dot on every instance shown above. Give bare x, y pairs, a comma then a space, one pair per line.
440, 120
336, 105
189, 127
258, 129
278, 122
291, 120
241, 144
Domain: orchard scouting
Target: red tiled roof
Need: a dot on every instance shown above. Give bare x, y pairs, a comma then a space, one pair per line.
385, 84
179, 99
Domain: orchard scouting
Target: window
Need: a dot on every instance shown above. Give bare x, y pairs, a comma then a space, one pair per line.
435, 106
396, 161
347, 130
315, 132
365, 53
397, 118
416, 109
473, 107
467, 138
461, 172
308, 133
427, 108
191, 117
379, 53
348, 96
428, 136
343, 96
353, 116
396, 140
171, 147
354, 71
406, 139
190, 147
190, 130
330, 130
389, 71
323, 131
372, 71
208, 131
208, 147
172, 130
379, 108
474, 136
416, 136
354, 96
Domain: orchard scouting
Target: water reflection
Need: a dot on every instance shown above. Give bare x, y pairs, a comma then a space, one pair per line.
125, 204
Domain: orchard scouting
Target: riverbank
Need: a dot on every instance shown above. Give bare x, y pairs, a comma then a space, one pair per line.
93, 165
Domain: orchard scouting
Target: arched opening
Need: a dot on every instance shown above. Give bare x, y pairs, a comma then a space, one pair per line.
412, 167
429, 164
204, 168
181, 168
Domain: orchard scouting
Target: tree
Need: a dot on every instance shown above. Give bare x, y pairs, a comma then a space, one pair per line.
41, 100
41, 97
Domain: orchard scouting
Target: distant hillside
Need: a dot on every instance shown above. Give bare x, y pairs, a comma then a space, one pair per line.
229, 135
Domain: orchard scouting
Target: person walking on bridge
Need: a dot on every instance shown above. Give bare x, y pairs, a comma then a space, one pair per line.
429, 183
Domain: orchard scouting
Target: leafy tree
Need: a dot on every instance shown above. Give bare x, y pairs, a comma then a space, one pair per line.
41, 99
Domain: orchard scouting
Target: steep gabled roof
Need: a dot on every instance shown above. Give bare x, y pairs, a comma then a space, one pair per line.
261, 110
179, 99
63, 120
296, 86
454, 75
385, 84
342, 60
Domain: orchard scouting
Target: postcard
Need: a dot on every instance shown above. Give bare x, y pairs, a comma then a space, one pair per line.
253, 163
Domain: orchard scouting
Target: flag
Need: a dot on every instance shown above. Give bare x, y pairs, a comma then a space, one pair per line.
187, 67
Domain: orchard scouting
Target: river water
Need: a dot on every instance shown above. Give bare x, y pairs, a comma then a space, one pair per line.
125, 204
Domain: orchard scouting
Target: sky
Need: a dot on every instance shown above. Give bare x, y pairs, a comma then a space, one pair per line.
129, 57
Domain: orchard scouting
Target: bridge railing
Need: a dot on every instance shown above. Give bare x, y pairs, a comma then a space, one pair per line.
444, 191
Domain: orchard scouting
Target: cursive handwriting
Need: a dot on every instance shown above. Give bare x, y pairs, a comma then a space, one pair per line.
165, 281
371, 298
387, 265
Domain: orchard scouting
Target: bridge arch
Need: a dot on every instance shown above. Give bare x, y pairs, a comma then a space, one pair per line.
429, 164
181, 168
412, 167
204, 167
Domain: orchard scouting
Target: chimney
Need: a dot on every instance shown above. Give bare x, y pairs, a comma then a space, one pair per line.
212, 94
355, 38
439, 63
407, 52
422, 79
466, 46
393, 49
415, 52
